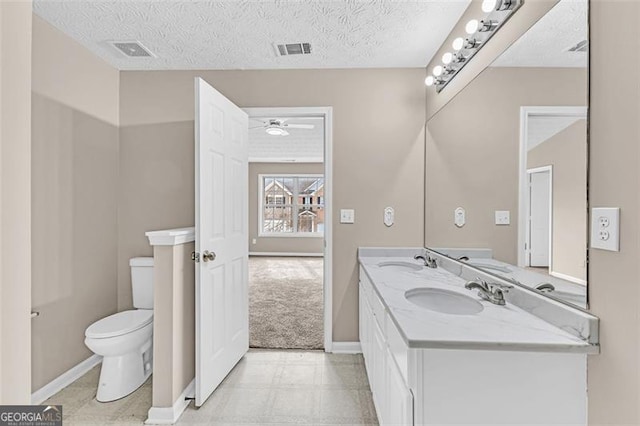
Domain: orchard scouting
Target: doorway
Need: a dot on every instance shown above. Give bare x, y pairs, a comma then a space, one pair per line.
540, 208
289, 228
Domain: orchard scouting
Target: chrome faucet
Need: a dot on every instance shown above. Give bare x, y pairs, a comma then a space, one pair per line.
429, 262
545, 287
492, 292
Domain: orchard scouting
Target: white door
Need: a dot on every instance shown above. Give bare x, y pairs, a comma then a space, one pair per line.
539, 218
222, 316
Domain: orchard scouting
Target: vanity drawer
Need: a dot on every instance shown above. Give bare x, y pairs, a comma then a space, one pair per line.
397, 347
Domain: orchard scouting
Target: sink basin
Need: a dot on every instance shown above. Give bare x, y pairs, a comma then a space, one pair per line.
399, 266
443, 301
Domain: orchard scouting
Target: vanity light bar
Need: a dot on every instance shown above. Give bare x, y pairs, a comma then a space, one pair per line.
479, 32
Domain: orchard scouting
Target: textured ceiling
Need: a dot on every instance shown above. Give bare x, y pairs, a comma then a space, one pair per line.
547, 42
302, 145
239, 34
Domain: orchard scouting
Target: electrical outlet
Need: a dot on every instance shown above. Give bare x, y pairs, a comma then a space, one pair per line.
605, 229
253, 241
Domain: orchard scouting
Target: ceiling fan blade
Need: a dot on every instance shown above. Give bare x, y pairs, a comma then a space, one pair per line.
299, 126
257, 127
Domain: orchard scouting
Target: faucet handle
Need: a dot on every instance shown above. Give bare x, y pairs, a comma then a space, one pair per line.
504, 287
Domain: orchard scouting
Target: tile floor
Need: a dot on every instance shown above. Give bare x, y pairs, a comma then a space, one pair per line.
266, 387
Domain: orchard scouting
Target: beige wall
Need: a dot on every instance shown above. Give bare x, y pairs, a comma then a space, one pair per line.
614, 278
74, 194
173, 322
15, 202
378, 117
278, 244
472, 154
567, 153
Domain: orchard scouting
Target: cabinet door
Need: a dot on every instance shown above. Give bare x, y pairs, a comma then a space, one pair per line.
399, 405
379, 371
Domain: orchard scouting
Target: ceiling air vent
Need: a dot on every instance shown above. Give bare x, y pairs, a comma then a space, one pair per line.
293, 49
132, 49
583, 46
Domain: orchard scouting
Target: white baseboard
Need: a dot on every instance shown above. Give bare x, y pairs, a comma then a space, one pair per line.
567, 278
278, 254
65, 379
170, 415
346, 348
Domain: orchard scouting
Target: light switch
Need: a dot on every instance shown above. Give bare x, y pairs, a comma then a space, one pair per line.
347, 216
503, 217
605, 228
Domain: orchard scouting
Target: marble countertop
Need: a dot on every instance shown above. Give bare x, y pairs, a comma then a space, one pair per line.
495, 328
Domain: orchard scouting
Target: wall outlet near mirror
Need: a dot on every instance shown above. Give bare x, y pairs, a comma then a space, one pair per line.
605, 228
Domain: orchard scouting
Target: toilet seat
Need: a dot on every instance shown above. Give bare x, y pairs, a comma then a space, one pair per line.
119, 324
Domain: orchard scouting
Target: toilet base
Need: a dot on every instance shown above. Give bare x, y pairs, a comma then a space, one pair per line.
122, 375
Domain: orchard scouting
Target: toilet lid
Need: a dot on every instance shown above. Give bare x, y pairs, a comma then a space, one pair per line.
120, 323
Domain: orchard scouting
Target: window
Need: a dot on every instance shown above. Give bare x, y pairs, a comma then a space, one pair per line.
291, 205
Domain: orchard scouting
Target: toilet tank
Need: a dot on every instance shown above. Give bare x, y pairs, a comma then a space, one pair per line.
142, 282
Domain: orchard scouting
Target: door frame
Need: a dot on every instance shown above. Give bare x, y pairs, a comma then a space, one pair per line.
525, 113
327, 114
543, 169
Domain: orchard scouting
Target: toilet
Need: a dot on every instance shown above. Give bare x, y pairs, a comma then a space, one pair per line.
125, 339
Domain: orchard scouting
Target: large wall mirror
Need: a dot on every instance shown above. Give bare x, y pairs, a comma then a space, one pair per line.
506, 162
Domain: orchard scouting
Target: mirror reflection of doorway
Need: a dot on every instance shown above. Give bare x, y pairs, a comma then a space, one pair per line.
540, 217
553, 203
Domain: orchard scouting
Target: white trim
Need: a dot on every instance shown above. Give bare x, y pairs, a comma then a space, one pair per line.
346, 348
286, 160
65, 379
327, 114
568, 278
279, 254
525, 113
543, 169
170, 415
171, 237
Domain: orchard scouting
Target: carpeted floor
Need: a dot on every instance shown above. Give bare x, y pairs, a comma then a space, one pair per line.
285, 302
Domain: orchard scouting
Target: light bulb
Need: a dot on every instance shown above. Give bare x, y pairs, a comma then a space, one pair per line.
472, 26
437, 71
458, 43
447, 58
489, 6
429, 80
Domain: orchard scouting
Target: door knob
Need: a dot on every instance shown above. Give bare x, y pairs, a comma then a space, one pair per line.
208, 256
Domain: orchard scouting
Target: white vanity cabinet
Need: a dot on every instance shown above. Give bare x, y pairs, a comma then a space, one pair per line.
391, 395
445, 382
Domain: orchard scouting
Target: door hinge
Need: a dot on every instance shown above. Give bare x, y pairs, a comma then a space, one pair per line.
195, 256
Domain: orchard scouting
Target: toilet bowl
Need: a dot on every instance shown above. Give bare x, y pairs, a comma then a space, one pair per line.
125, 339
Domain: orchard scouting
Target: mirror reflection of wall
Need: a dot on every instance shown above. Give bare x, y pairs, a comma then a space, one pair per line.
515, 140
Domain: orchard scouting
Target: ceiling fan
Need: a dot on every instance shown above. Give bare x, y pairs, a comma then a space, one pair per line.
279, 126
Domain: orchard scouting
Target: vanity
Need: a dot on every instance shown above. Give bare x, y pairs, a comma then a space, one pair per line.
436, 353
